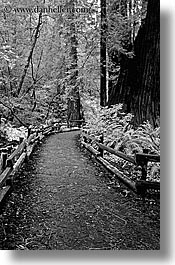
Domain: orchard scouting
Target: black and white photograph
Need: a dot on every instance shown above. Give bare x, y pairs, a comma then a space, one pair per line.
80, 125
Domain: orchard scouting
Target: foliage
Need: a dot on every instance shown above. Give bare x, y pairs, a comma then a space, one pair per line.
46, 57
44, 64
9, 133
120, 134
46, 88
124, 20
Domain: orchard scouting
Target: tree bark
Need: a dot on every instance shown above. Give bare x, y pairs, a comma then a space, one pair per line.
103, 79
74, 98
138, 86
121, 7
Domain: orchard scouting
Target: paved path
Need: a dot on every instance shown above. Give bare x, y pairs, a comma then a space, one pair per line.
62, 200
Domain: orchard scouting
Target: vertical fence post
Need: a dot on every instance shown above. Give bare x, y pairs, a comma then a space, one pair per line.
101, 141
84, 138
21, 140
142, 161
144, 166
28, 131
144, 174
3, 161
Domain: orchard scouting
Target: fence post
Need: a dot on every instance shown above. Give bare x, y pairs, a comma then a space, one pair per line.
142, 161
84, 139
28, 132
21, 140
144, 166
3, 161
101, 141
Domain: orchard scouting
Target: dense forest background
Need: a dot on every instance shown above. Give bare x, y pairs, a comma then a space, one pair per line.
60, 65
95, 63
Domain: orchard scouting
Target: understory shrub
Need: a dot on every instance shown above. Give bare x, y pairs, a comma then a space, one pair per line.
120, 134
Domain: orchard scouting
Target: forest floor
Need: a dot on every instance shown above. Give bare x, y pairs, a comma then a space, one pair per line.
63, 200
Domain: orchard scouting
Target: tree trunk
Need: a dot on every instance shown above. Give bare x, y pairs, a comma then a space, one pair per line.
30, 54
103, 79
121, 7
74, 97
138, 86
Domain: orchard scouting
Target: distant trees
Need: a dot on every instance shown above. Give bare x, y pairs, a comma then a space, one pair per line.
53, 64
47, 61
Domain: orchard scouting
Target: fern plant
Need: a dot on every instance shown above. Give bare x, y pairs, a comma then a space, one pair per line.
120, 134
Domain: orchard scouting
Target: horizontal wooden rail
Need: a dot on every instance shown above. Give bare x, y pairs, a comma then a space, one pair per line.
148, 184
4, 176
48, 130
111, 150
140, 157
117, 153
76, 120
19, 162
147, 158
69, 129
3, 192
10, 165
16, 154
129, 183
140, 186
91, 149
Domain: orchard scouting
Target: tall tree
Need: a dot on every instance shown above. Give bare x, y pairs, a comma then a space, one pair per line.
120, 23
103, 61
138, 86
74, 96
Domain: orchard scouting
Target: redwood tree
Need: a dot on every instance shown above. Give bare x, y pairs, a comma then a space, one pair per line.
103, 40
74, 96
138, 86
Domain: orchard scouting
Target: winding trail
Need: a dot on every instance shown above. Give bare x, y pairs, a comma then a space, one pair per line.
63, 200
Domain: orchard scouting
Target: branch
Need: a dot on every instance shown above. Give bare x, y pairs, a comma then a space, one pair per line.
2, 103
39, 62
88, 57
30, 54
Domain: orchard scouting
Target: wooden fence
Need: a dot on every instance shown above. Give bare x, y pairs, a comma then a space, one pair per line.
139, 186
12, 158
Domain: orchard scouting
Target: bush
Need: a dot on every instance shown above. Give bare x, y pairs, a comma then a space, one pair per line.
120, 134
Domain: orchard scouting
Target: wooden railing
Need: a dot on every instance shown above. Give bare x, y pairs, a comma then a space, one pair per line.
11, 162
79, 123
12, 157
139, 186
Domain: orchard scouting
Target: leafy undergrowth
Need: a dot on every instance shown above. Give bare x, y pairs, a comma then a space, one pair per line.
120, 134
9, 133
